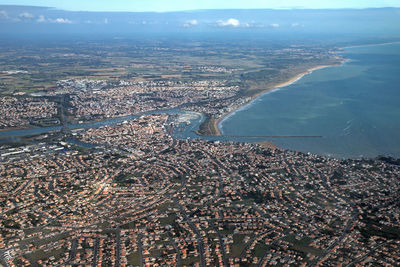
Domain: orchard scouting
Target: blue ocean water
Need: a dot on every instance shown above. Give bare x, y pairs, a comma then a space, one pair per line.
355, 108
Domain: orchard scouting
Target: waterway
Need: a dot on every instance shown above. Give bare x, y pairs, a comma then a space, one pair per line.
189, 122
354, 108
347, 111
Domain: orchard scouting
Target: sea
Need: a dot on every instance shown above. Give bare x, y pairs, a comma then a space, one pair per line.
347, 111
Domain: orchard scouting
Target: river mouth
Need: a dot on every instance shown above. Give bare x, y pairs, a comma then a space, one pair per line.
350, 111
186, 123
185, 127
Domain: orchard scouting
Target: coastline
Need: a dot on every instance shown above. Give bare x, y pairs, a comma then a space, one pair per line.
215, 124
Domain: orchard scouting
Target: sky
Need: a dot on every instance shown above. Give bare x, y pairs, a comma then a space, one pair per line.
184, 5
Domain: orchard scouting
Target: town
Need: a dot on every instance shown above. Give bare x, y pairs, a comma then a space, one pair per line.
142, 198
25, 112
171, 76
100, 179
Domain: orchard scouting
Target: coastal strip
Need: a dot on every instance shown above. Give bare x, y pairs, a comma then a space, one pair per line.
214, 124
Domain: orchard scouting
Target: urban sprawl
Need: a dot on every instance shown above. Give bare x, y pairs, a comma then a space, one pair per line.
130, 194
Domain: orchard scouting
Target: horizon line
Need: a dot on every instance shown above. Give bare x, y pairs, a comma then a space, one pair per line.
196, 10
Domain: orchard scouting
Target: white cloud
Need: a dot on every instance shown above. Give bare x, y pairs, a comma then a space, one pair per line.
60, 21
26, 15
234, 23
190, 23
274, 25
41, 19
3, 14
228, 23
105, 21
295, 25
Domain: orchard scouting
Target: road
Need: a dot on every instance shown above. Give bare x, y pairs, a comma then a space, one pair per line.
118, 247
140, 247
3, 258
96, 252
196, 231
266, 251
361, 258
221, 244
346, 228
178, 251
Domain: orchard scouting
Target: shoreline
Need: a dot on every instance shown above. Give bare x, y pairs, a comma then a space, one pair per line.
216, 122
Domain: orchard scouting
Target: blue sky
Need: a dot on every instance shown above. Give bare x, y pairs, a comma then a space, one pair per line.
179, 5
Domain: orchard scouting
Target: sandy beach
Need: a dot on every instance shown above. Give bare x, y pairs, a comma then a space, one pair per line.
214, 125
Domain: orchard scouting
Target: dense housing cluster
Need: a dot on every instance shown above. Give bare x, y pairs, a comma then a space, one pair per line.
129, 194
142, 198
98, 103
23, 112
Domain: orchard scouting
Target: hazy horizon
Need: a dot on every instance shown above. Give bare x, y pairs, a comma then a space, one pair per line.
258, 23
189, 5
